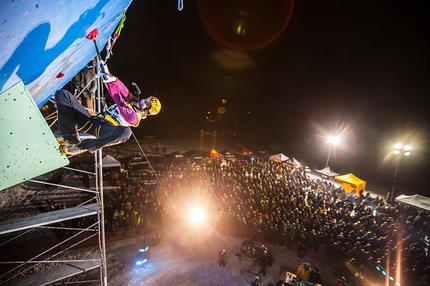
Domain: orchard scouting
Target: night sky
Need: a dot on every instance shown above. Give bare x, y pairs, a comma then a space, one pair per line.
287, 74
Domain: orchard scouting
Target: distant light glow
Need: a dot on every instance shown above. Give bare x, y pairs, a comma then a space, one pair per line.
240, 29
143, 249
221, 110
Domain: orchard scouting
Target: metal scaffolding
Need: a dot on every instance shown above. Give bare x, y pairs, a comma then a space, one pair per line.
33, 152
21, 272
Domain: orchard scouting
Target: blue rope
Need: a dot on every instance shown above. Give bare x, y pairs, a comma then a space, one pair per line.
180, 5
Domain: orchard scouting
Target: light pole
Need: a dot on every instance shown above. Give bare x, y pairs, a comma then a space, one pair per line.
400, 151
332, 140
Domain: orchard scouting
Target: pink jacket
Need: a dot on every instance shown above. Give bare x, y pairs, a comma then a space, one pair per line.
121, 95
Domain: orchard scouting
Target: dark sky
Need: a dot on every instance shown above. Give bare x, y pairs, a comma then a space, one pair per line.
290, 78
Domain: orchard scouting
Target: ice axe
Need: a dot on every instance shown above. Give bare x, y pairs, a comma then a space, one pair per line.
92, 36
137, 93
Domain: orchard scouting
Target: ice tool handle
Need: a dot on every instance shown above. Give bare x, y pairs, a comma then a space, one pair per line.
102, 69
137, 94
92, 36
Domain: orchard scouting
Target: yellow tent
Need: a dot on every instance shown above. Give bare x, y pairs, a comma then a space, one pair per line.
350, 183
215, 154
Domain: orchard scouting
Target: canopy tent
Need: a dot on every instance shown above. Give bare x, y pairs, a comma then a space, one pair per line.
215, 154
194, 154
175, 158
136, 162
110, 162
245, 151
296, 162
327, 172
227, 154
280, 157
262, 153
350, 182
175, 154
417, 201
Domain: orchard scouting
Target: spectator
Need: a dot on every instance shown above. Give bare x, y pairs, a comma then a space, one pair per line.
316, 276
304, 271
222, 256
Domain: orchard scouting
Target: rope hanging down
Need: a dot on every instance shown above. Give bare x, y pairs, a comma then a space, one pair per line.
149, 163
153, 171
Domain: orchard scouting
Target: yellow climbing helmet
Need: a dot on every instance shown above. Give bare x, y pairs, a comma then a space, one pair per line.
155, 106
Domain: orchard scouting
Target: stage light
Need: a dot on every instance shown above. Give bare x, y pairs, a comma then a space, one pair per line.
391, 278
143, 249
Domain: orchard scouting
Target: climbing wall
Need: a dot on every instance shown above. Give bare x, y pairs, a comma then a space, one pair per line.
28, 147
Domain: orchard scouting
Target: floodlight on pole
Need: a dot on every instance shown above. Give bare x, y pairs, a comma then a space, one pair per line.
399, 150
332, 140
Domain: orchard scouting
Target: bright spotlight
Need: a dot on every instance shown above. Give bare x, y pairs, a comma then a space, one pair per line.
399, 148
333, 140
141, 262
196, 215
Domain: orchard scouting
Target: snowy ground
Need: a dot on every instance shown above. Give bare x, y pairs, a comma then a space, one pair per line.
189, 257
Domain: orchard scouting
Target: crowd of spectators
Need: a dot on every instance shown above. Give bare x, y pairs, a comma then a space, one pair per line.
277, 203
133, 206
270, 201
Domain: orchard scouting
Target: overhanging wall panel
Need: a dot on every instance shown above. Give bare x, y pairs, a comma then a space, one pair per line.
28, 147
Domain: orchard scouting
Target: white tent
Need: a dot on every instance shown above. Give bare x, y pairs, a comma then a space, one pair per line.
296, 162
417, 201
110, 162
327, 172
280, 157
